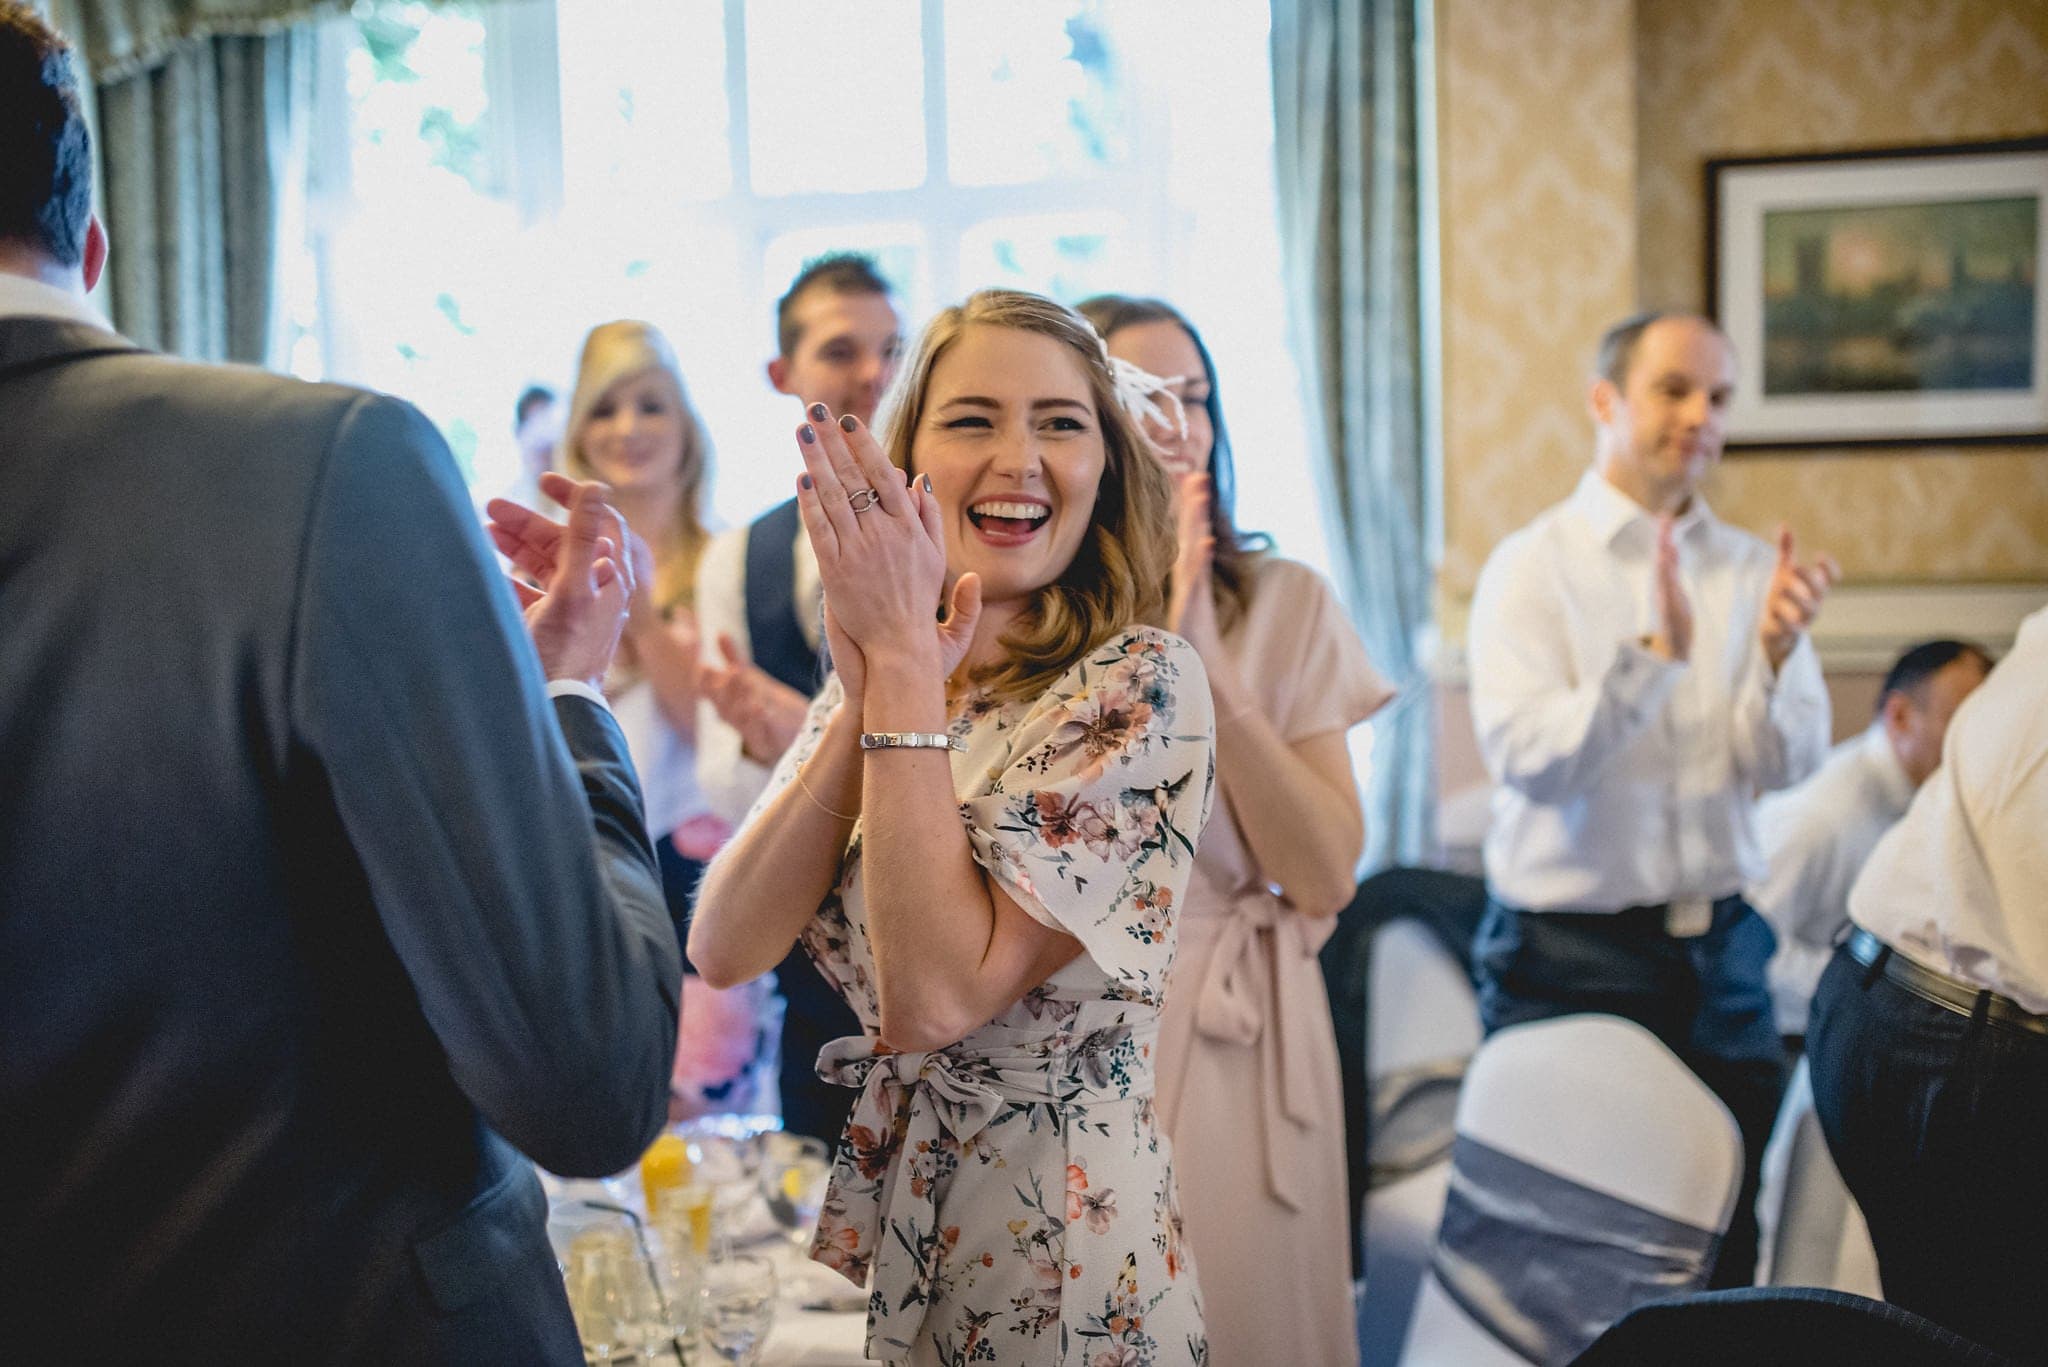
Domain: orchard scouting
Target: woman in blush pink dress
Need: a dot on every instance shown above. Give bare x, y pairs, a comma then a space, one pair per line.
1248, 1084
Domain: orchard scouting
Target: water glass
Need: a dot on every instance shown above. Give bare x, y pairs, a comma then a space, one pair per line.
729, 1168
612, 1298
795, 1170
739, 1308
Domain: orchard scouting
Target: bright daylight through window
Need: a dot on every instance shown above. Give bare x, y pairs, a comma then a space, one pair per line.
488, 180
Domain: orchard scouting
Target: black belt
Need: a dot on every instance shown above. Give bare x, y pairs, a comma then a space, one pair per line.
1965, 999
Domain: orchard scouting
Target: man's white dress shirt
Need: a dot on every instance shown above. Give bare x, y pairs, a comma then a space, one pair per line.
21, 297
1961, 883
1625, 780
1816, 836
727, 781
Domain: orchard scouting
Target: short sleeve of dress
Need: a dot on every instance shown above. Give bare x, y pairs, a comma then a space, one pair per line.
1092, 824
1298, 641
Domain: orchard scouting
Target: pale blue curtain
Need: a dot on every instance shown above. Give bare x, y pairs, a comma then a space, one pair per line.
194, 105
196, 151
1344, 91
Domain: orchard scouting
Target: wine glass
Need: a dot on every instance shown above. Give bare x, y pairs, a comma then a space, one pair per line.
795, 1170
739, 1308
678, 1261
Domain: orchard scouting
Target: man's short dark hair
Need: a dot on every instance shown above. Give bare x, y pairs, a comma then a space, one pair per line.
45, 152
530, 398
1618, 344
840, 272
1911, 671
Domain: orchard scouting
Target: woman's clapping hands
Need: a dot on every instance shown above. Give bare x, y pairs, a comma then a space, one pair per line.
881, 548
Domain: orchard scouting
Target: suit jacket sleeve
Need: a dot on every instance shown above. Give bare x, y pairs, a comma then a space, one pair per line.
524, 905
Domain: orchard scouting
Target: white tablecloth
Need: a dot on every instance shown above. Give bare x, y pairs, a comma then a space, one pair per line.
814, 1338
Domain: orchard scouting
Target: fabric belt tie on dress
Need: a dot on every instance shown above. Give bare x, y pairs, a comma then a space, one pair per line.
909, 1105
1263, 945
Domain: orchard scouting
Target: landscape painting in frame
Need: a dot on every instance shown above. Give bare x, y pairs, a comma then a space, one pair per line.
1884, 297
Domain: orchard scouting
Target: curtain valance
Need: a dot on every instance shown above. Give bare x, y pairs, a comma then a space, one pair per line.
119, 38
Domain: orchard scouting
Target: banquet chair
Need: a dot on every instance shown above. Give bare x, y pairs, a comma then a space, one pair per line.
1424, 1027
1796, 1326
1591, 1173
1812, 1231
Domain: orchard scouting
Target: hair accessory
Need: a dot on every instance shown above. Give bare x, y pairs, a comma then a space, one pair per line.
1139, 391
910, 740
863, 499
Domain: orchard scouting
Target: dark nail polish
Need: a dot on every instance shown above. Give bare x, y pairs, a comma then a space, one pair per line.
847, 423
804, 480
807, 434
927, 483
818, 412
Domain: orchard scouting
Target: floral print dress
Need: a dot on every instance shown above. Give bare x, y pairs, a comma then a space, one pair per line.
1010, 1199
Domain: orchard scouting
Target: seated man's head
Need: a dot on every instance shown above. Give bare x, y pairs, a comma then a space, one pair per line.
47, 230
1659, 401
1920, 694
837, 336
537, 426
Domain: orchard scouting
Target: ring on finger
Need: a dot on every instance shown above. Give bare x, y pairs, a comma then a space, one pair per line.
863, 499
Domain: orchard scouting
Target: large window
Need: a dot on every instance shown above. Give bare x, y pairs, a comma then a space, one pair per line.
491, 179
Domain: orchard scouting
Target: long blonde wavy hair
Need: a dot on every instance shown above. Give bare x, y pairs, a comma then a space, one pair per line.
624, 350
1118, 576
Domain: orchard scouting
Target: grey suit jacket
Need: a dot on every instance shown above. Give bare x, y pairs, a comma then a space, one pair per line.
310, 900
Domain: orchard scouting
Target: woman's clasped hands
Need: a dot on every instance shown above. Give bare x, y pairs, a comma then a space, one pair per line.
880, 541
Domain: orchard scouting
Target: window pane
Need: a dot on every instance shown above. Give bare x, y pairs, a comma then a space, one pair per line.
835, 95
1032, 91
417, 81
645, 118
1068, 256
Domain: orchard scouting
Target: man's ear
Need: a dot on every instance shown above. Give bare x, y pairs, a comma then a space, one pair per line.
778, 375
1897, 712
1601, 399
95, 253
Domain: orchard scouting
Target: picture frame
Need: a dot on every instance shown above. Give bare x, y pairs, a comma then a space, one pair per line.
1883, 297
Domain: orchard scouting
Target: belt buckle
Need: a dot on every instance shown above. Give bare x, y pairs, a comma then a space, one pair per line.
1688, 918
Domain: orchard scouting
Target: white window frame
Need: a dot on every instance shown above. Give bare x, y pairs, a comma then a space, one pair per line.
947, 212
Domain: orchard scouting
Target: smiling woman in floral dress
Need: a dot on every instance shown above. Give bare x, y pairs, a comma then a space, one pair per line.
982, 837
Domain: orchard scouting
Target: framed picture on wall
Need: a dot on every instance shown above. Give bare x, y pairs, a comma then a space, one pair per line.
1883, 297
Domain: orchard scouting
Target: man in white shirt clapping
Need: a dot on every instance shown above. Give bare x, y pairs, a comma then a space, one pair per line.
1817, 833
1640, 670
1929, 1041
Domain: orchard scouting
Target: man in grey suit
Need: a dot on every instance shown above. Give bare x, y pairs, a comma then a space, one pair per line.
323, 892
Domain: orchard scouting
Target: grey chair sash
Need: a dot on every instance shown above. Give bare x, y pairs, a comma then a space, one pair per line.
1544, 1264
1414, 1118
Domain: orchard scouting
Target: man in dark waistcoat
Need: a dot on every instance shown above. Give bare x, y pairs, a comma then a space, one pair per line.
759, 608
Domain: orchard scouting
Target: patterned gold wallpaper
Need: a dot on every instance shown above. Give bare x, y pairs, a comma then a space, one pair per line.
1536, 174
1584, 126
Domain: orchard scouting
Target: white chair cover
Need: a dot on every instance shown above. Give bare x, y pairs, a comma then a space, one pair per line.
1594, 1172
1421, 1004
1812, 1230
1424, 1020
